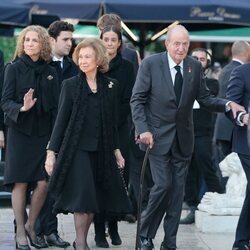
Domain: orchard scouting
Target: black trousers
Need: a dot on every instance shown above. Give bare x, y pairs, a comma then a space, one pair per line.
222, 148
243, 228
47, 220
201, 166
166, 196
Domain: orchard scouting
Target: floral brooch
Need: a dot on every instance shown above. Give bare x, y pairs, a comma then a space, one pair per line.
111, 85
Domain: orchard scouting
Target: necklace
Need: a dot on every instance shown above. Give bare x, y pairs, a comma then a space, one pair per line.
94, 90
92, 85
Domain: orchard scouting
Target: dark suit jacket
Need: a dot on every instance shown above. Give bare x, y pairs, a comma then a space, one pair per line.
69, 69
16, 84
203, 119
154, 105
223, 126
131, 56
239, 92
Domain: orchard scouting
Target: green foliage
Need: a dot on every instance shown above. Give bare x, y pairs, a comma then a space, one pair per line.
8, 45
155, 47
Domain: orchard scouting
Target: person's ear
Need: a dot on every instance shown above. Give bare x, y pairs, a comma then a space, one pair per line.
166, 44
52, 40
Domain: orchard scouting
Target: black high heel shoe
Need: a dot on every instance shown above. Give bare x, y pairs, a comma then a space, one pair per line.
22, 247
33, 243
74, 246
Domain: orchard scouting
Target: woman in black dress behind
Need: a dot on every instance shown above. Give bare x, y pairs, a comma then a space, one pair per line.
121, 71
85, 137
29, 100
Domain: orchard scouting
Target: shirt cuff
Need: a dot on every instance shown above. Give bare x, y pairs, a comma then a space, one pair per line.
239, 120
227, 106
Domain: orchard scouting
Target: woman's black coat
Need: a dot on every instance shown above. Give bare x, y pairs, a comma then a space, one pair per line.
17, 82
66, 101
122, 71
67, 135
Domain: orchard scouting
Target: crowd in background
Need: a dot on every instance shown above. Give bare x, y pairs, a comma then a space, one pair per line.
70, 143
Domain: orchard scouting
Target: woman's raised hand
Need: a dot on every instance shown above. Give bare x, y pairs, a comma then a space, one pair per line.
28, 101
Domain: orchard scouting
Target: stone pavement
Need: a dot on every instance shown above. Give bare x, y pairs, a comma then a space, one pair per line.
188, 238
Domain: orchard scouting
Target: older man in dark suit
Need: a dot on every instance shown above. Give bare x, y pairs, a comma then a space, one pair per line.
223, 126
166, 87
239, 91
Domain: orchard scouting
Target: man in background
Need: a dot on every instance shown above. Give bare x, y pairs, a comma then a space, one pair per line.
223, 126
202, 166
239, 91
61, 34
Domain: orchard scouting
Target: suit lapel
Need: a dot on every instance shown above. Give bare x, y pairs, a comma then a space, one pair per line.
187, 69
167, 75
65, 64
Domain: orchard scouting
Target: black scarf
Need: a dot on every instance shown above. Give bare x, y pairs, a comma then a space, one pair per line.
72, 135
44, 97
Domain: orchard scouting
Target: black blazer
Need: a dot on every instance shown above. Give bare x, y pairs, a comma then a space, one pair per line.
239, 91
69, 69
223, 126
66, 101
131, 56
16, 84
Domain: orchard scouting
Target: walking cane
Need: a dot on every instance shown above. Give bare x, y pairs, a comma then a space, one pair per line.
144, 164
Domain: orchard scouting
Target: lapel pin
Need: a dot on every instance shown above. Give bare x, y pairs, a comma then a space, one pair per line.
50, 77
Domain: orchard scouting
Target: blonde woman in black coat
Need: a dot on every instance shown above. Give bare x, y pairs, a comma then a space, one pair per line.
83, 152
29, 101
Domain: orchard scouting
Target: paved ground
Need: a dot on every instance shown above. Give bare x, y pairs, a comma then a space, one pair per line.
188, 236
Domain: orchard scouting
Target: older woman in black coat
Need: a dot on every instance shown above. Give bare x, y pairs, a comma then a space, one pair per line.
85, 137
29, 100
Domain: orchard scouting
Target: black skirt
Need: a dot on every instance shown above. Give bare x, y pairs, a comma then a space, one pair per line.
25, 158
82, 193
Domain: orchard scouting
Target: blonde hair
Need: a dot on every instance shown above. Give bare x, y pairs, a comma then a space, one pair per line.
101, 54
43, 36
